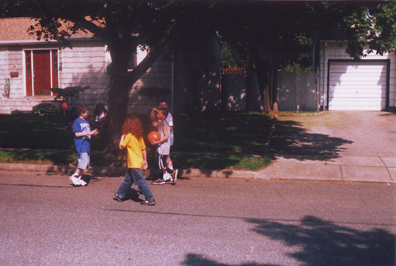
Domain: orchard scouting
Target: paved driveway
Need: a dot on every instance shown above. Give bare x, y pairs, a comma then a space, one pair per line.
335, 134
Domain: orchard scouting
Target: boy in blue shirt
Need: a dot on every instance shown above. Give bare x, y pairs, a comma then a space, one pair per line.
82, 137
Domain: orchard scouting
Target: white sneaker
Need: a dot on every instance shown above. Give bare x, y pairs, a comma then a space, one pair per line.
167, 177
75, 180
82, 182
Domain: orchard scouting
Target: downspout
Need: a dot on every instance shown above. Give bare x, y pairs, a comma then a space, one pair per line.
173, 85
315, 57
324, 77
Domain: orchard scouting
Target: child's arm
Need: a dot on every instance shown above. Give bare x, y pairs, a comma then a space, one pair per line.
82, 134
121, 140
145, 165
165, 138
154, 123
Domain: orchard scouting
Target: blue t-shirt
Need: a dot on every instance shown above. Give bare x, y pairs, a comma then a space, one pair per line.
82, 143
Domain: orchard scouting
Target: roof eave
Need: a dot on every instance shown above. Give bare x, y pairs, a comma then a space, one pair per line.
25, 42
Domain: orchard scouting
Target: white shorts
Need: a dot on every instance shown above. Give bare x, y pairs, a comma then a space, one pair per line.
83, 161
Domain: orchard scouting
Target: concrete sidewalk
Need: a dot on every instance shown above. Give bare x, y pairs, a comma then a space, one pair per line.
343, 169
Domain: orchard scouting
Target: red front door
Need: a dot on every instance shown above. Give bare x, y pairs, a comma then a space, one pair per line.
42, 72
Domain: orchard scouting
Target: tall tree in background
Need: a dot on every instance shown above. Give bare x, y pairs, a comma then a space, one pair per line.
122, 25
369, 24
275, 34
271, 33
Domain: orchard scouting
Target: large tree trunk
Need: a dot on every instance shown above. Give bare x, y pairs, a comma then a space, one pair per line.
121, 82
263, 82
274, 91
118, 108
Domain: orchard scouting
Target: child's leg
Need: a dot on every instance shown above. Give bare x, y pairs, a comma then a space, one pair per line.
83, 163
79, 172
125, 184
139, 180
169, 162
166, 170
161, 162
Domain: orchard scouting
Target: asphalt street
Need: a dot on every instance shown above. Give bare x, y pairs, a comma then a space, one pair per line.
200, 221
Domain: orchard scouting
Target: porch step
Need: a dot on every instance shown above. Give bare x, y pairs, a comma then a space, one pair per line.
25, 105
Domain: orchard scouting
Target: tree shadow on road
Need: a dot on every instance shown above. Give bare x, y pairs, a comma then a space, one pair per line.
325, 243
293, 141
199, 260
320, 242
388, 114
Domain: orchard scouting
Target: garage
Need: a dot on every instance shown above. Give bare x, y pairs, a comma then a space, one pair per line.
362, 85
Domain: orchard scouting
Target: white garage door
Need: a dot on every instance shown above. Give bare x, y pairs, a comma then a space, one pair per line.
357, 85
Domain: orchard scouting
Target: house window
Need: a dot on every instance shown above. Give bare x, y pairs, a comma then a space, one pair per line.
28, 62
132, 62
134, 59
55, 61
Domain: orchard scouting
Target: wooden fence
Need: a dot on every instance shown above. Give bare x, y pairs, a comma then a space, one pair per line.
294, 90
297, 90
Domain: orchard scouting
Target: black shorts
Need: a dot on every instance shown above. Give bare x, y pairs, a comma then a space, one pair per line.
160, 161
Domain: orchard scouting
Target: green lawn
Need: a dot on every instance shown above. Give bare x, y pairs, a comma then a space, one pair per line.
206, 141
40, 132
240, 132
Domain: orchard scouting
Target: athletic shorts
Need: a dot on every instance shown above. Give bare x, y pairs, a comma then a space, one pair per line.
160, 161
83, 161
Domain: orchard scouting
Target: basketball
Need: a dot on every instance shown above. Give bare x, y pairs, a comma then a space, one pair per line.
153, 136
153, 114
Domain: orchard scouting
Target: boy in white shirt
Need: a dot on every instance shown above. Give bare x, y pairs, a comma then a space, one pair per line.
163, 150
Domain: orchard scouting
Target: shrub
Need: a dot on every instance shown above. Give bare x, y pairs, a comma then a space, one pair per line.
44, 109
16, 113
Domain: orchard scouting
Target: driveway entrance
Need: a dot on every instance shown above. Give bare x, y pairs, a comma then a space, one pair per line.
336, 133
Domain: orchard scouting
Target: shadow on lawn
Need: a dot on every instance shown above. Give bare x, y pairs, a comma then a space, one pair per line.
294, 141
320, 242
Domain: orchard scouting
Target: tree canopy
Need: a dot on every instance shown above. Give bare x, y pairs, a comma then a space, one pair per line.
276, 34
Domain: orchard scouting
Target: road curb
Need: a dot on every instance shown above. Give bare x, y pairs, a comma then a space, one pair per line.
302, 172
120, 171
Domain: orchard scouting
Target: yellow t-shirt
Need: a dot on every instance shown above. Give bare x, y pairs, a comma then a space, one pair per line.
134, 150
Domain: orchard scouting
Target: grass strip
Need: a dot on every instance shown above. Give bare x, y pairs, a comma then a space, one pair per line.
180, 159
219, 161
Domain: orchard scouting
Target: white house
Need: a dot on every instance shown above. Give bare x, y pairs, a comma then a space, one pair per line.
33, 67
30, 68
367, 84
